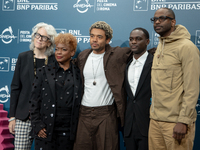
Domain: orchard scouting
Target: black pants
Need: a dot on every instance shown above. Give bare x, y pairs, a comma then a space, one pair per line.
60, 141
136, 141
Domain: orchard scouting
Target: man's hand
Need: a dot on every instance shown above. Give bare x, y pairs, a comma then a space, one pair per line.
179, 131
11, 126
42, 133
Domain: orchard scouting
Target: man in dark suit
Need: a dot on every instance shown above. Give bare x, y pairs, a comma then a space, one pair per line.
137, 84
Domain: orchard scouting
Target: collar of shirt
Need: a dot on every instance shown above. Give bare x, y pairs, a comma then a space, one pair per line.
141, 59
58, 67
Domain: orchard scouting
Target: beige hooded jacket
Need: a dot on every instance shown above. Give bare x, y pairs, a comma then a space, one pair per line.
175, 78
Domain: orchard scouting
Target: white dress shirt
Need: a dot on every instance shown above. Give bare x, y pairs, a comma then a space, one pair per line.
135, 70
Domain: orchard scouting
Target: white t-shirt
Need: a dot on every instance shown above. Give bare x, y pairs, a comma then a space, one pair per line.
99, 94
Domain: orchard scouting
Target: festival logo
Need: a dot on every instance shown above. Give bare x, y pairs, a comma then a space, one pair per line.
59, 30
154, 40
104, 5
28, 5
82, 7
7, 35
8, 5
4, 94
80, 38
13, 64
4, 64
24, 36
140, 5
197, 39
175, 5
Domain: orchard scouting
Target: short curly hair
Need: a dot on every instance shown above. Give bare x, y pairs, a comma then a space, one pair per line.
104, 26
67, 39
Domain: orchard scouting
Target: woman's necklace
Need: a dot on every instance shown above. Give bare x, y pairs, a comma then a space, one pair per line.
94, 74
34, 60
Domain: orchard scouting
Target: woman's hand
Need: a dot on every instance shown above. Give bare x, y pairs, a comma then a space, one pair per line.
42, 133
11, 126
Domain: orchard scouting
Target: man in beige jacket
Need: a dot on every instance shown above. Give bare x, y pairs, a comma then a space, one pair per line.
174, 84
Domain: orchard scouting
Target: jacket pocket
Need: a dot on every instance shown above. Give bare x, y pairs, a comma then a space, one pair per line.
162, 77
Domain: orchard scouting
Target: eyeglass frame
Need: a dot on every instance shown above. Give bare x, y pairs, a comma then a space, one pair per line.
161, 19
41, 36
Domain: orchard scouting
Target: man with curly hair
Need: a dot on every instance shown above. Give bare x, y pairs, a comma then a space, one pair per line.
102, 69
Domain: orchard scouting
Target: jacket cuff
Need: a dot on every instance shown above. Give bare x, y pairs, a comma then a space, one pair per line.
186, 120
38, 127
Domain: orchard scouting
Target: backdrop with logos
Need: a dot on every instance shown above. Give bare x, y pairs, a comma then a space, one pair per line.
75, 17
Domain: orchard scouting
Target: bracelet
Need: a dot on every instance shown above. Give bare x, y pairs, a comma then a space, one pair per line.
11, 119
